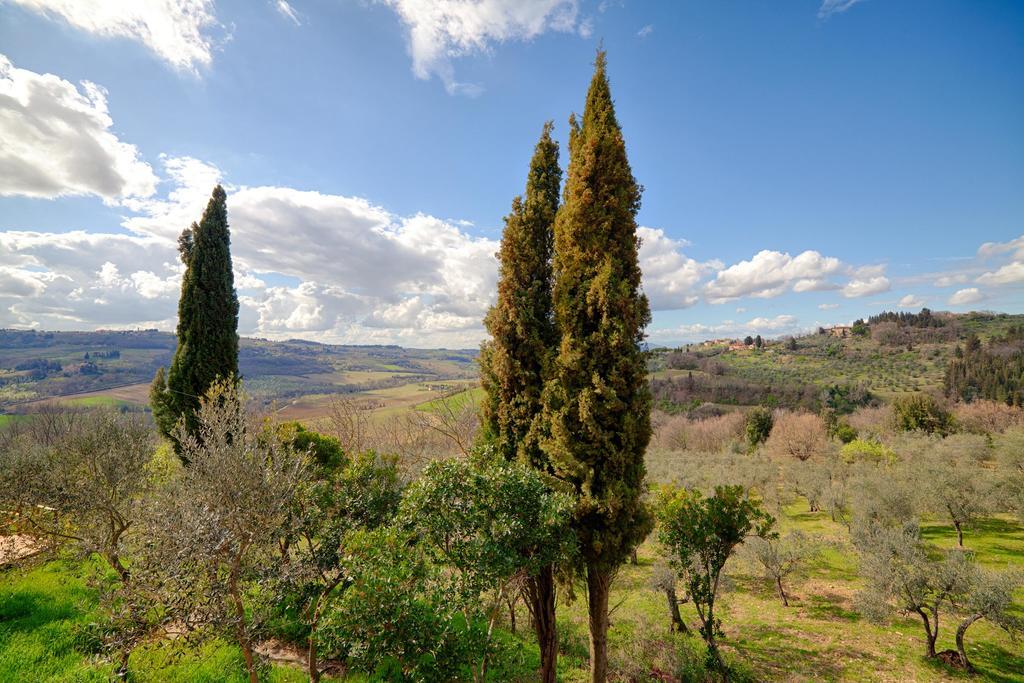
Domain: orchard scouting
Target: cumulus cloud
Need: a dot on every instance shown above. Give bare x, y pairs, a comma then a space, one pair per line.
440, 30
950, 280
176, 31
911, 301
57, 141
1011, 273
774, 326
670, 278
772, 273
965, 297
866, 287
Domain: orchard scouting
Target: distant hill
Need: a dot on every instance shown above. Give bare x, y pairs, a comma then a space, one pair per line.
842, 367
39, 365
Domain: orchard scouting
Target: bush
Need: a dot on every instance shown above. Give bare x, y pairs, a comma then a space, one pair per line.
921, 412
859, 450
759, 426
845, 433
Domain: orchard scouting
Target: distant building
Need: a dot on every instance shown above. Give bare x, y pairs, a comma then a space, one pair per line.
839, 331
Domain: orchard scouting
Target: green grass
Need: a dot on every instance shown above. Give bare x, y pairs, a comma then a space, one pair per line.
42, 611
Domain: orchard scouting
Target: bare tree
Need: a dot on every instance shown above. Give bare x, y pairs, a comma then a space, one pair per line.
798, 435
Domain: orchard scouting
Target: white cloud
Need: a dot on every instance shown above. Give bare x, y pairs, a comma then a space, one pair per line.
645, 31
57, 141
964, 297
828, 307
911, 301
950, 280
772, 273
670, 278
288, 12
1011, 273
1014, 247
830, 7
778, 325
175, 30
440, 30
859, 288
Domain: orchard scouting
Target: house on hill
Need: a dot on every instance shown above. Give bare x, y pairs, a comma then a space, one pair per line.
841, 331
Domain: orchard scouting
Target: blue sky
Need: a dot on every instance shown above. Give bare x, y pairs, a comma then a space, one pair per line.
805, 162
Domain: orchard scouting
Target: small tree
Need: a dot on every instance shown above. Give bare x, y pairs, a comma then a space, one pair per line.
782, 558
663, 580
748, 341
213, 532
955, 489
700, 534
990, 597
759, 426
87, 487
900, 575
492, 522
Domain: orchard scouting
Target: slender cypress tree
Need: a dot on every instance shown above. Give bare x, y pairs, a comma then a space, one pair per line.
516, 362
207, 321
597, 404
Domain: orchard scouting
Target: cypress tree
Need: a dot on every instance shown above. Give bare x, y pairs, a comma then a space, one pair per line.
597, 404
515, 363
207, 321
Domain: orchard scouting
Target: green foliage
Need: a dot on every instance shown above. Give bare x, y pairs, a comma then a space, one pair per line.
207, 322
598, 402
325, 451
393, 621
994, 372
759, 425
516, 362
864, 450
700, 534
489, 520
845, 433
921, 412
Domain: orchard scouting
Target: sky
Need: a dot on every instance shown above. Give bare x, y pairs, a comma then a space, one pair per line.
805, 162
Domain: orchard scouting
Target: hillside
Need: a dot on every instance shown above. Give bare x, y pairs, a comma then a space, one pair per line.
37, 366
838, 367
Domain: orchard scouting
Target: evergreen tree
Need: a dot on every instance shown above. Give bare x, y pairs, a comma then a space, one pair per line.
207, 321
597, 404
516, 362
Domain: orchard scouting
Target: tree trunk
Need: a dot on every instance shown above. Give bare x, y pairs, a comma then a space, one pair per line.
930, 636
960, 631
678, 625
959, 534
633, 559
240, 630
782, 593
598, 584
115, 562
511, 600
541, 594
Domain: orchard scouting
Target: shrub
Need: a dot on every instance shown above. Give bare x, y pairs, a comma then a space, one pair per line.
921, 412
860, 450
759, 426
845, 433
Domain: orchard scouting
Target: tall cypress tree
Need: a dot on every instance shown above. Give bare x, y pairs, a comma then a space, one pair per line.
207, 321
516, 362
597, 404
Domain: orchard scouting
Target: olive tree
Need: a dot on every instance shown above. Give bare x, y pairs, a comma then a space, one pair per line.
989, 596
82, 481
699, 535
782, 558
902, 576
215, 526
